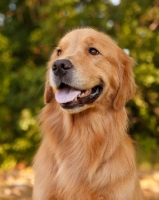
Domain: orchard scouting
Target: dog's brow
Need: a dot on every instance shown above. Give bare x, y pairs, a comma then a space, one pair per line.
63, 45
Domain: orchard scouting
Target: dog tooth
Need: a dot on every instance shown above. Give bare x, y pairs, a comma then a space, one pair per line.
75, 99
84, 93
87, 92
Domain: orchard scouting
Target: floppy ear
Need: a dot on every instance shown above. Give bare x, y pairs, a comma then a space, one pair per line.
127, 84
48, 94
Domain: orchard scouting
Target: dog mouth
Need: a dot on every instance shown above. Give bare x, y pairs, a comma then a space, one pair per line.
70, 97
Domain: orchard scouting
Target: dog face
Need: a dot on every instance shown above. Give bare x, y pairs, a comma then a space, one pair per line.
88, 69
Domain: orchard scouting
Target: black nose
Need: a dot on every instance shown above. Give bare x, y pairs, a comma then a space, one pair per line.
60, 67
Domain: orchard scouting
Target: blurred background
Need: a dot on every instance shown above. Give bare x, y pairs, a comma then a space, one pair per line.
30, 30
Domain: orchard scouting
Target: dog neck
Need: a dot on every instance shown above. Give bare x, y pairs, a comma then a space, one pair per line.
93, 137
82, 147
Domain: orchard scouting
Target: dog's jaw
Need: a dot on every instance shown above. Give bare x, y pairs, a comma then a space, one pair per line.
74, 99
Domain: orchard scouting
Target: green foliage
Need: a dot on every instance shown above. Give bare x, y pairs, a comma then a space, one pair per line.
29, 30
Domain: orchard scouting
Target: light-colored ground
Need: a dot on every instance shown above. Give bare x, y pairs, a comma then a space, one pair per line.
17, 184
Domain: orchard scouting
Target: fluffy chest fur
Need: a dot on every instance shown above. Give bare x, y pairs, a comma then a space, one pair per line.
85, 159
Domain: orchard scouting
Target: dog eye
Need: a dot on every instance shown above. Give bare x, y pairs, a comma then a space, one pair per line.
59, 52
93, 51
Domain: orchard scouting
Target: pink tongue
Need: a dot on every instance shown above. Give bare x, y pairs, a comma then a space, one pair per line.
66, 95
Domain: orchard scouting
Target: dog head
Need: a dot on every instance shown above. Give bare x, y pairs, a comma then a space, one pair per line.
87, 69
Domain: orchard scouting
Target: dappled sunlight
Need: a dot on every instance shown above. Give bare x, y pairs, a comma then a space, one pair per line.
150, 185
16, 184
26, 120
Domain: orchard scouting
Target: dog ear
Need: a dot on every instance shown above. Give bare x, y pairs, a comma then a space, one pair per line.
48, 94
127, 86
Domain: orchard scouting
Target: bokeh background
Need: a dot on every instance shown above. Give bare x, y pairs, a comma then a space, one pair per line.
29, 31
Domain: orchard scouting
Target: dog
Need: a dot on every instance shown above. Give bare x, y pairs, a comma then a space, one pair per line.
86, 153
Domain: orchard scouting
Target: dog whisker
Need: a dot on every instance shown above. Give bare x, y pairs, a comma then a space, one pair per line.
39, 90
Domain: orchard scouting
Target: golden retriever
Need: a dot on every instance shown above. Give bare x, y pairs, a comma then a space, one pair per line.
86, 153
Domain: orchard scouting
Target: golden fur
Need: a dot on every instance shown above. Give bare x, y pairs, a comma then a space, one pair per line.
86, 153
